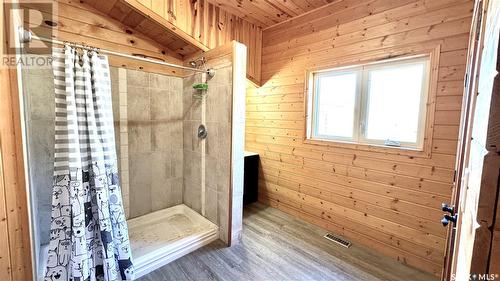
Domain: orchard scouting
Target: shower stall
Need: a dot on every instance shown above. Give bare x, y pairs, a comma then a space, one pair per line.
179, 150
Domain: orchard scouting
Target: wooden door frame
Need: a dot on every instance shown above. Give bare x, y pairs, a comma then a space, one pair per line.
15, 242
480, 252
12, 177
449, 266
484, 260
12, 183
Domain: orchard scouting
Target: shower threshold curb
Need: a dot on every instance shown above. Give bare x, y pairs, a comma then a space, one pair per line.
148, 262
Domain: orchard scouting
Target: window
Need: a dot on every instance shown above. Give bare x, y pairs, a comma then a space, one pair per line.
382, 103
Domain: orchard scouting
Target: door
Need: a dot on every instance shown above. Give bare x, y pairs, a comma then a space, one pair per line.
461, 215
460, 179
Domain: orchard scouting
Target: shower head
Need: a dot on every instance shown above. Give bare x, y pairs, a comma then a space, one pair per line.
198, 62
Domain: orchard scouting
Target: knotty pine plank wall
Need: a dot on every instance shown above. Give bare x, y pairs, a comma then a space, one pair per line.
390, 202
15, 262
212, 26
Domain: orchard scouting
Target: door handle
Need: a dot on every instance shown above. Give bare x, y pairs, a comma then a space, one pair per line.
447, 218
449, 209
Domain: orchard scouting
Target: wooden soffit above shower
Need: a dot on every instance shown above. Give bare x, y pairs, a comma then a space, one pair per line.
141, 18
187, 27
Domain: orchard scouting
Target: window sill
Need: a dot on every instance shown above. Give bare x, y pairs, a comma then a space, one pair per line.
404, 151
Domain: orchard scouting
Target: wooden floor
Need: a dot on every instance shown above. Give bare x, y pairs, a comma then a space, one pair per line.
276, 246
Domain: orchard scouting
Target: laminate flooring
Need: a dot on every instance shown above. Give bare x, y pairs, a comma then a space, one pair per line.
277, 246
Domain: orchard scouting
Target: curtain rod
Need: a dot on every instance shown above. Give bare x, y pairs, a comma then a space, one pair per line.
26, 36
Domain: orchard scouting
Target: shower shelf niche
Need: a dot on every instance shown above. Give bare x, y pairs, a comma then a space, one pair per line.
201, 90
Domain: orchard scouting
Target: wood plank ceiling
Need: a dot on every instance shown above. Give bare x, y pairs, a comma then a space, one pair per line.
185, 27
265, 13
262, 13
135, 19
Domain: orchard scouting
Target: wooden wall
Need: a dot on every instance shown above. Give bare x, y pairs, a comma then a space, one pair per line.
212, 26
15, 260
80, 23
389, 202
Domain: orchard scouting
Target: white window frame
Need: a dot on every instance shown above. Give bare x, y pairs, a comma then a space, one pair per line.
356, 103
361, 103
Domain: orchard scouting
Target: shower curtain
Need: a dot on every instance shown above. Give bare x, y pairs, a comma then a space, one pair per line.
88, 233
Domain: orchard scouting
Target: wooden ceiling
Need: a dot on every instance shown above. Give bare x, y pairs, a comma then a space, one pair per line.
145, 22
163, 25
265, 13
184, 27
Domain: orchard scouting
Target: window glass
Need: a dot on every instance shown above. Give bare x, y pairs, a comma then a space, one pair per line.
335, 105
381, 103
393, 107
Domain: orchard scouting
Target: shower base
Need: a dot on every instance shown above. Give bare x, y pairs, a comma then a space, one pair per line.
161, 237
165, 235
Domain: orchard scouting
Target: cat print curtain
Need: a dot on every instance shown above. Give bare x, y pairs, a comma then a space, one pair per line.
88, 234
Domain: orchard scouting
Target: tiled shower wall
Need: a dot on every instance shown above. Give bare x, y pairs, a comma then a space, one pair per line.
154, 129
191, 144
148, 135
217, 157
39, 113
159, 154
